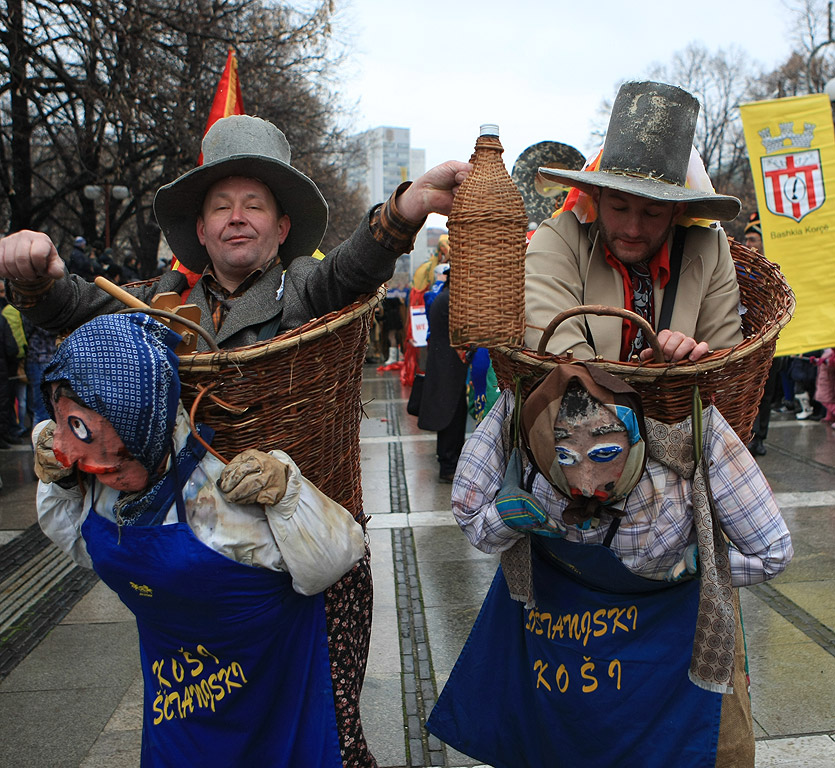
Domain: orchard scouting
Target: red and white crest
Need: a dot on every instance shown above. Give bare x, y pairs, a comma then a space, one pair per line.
793, 183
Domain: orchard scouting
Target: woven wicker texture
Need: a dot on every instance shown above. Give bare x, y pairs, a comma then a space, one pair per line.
299, 392
731, 379
487, 254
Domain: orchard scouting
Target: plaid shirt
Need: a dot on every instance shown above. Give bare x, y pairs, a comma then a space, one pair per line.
659, 514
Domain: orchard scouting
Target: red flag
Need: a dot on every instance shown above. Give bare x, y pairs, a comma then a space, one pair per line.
228, 98
228, 101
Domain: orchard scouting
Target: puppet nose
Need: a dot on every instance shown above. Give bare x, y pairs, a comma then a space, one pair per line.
586, 480
65, 446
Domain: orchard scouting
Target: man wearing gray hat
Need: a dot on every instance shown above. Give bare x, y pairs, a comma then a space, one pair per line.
624, 245
248, 223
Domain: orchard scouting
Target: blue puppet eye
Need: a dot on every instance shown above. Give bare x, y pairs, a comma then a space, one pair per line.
566, 457
79, 429
605, 452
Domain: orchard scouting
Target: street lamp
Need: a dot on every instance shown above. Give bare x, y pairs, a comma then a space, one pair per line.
117, 192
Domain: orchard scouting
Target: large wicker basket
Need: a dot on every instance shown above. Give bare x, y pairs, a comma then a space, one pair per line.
299, 392
732, 379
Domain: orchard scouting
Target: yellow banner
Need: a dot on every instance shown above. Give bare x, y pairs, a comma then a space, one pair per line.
791, 145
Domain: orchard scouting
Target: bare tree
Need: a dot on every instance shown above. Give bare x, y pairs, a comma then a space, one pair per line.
96, 92
813, 40
720, 80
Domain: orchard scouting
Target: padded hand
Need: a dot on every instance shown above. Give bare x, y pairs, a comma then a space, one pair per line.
518, 508
687, 566
47, 467
254, 477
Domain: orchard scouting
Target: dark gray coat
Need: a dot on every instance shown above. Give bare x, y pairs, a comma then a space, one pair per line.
311, 288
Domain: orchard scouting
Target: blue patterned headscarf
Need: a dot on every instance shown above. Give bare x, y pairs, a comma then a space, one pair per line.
124, 368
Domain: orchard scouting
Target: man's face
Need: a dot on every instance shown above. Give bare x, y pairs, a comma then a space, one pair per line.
591, 452
241, 227
632, 227
84, 438
754, 240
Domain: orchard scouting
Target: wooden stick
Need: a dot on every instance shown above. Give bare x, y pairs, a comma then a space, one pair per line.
114, 290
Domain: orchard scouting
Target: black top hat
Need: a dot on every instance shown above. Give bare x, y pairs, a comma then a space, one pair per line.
647, 150
242, 145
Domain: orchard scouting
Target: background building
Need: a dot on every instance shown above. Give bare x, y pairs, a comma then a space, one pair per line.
387, 160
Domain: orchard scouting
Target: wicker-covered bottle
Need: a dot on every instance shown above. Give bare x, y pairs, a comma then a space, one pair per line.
487, 227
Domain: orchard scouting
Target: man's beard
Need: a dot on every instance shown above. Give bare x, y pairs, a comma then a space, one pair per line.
651, 246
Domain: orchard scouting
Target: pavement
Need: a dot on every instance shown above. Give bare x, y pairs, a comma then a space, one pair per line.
71, 686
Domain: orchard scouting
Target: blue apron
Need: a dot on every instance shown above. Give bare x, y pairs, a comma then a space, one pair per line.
235, 663
595, 675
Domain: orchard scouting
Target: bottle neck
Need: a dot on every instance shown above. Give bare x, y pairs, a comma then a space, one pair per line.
490, 143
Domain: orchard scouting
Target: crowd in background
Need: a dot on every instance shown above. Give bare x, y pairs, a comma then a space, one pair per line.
803, 385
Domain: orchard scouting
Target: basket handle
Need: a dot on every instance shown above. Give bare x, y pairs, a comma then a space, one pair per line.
137, 305
192, 326
600, 309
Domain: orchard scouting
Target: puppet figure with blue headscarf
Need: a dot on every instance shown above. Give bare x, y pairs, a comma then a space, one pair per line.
223, 566
611, 633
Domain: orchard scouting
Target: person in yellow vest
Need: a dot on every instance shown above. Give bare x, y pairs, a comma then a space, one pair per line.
424, 275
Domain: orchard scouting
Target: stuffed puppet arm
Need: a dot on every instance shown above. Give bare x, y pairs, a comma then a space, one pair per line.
521, 510
488, 503
760, 544
61, 511
318, 539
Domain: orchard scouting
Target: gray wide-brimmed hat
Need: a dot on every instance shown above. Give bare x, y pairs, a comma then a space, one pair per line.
540, 199
647, 151
242, 145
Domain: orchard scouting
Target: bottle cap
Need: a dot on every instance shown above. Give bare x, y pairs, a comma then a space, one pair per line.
489, 129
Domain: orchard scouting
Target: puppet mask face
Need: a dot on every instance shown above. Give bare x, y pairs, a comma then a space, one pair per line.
591, 449
88, 440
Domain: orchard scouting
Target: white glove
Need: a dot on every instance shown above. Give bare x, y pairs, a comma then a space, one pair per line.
254, 477
47, 467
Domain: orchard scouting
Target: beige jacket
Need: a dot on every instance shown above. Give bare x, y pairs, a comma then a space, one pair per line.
565, 266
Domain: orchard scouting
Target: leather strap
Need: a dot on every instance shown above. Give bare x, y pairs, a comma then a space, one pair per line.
671, 288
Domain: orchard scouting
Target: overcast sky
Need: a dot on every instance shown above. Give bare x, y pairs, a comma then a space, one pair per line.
538, 69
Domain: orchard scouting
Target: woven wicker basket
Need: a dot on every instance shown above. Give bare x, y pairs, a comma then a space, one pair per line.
299, 392
732, 379
487, 253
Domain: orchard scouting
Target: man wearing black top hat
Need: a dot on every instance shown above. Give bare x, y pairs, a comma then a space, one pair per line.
248, 223
623, 246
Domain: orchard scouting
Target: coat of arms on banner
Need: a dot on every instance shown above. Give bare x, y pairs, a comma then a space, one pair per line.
793, 181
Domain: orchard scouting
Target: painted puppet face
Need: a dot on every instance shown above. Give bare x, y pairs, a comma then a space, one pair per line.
591, 452
89, 441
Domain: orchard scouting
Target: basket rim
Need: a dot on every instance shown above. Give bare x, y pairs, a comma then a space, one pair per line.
650, 370
294, 338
